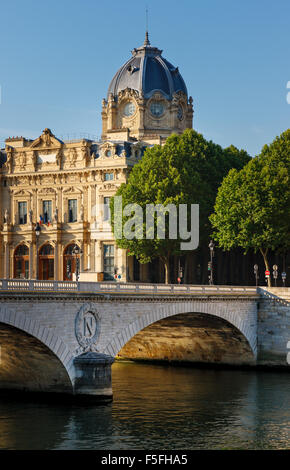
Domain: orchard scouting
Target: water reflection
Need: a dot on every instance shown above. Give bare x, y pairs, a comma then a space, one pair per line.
160, 407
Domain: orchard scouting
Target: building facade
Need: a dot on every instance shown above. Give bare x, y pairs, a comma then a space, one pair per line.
55, 194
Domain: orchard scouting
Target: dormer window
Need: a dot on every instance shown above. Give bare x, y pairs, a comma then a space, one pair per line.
157, 109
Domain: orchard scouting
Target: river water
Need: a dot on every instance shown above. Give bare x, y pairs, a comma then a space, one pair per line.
160, 407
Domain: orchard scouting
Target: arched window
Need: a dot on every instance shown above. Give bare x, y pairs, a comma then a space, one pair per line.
46, 250
69, 262
21, 262
46, 262
21, 250
69, 249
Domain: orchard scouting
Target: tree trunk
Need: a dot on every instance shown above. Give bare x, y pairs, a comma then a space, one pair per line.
167, 270
185, 275
264, 254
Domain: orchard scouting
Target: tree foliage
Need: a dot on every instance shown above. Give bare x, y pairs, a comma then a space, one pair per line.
252, 208
188, 169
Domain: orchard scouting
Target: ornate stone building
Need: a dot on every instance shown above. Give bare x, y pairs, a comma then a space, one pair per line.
55, 194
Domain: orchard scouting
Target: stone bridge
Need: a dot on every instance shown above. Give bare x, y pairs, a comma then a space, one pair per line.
62, 337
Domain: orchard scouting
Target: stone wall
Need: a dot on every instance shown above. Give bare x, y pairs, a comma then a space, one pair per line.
273, 326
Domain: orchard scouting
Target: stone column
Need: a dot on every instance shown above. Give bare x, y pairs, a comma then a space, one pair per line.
98, 257
31, 248
88, 258
93, 380
6, 260
10, 261
56, 261
92, 261
82, 256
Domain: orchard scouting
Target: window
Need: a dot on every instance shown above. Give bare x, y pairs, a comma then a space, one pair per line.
72, 210
21, 250
47, 250
108, 262
47, 211
109, 176
46, 262
22, 211
157, 109
21, 262
107, 212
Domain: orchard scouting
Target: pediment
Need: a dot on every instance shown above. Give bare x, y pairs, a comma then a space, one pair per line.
22, 192
47, 139
72, 189
47, 191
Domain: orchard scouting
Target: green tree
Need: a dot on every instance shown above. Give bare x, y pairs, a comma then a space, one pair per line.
252, 208
186, 170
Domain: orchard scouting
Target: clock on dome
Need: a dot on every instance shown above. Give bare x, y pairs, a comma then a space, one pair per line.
129, 109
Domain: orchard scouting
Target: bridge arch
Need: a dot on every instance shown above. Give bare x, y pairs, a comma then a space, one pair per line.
246, 324
43, 335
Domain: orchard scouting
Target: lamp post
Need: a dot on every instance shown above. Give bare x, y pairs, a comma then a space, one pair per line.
210, 265
180, 272
77, 252
256, 269
37, 234
68, 270
275, 273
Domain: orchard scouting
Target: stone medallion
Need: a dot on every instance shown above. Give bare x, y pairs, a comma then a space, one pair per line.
87, 327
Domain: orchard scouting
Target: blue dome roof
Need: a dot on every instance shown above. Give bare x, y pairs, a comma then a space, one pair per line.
147, 71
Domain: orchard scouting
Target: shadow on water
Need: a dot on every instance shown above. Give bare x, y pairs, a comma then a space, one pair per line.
159, 407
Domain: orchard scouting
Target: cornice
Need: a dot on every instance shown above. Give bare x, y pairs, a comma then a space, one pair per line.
119, 298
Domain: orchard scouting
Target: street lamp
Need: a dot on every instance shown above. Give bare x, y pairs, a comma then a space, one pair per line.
37, 234
256, 269
210, 264
275, 273
68, 269
76, 253
180, 272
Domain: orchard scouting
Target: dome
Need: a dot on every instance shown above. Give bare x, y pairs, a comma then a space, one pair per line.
147, 72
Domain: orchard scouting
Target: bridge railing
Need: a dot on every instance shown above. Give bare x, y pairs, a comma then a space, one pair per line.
111, 287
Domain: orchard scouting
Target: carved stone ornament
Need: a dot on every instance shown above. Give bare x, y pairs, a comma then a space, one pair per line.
107, 150
6, 217
127, 93
9, 162
22, 160
87, 327
47, 139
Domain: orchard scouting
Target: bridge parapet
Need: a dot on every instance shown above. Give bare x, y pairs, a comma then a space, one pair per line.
118, 287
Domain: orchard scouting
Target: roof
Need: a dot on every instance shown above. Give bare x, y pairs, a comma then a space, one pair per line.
147, 72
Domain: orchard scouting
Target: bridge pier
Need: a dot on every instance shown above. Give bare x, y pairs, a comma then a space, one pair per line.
93, 379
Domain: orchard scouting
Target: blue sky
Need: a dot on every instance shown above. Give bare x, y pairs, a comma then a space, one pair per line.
57, 59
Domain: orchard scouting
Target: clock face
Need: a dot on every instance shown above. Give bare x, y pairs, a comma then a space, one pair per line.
180, 113
157, 109
129, 109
